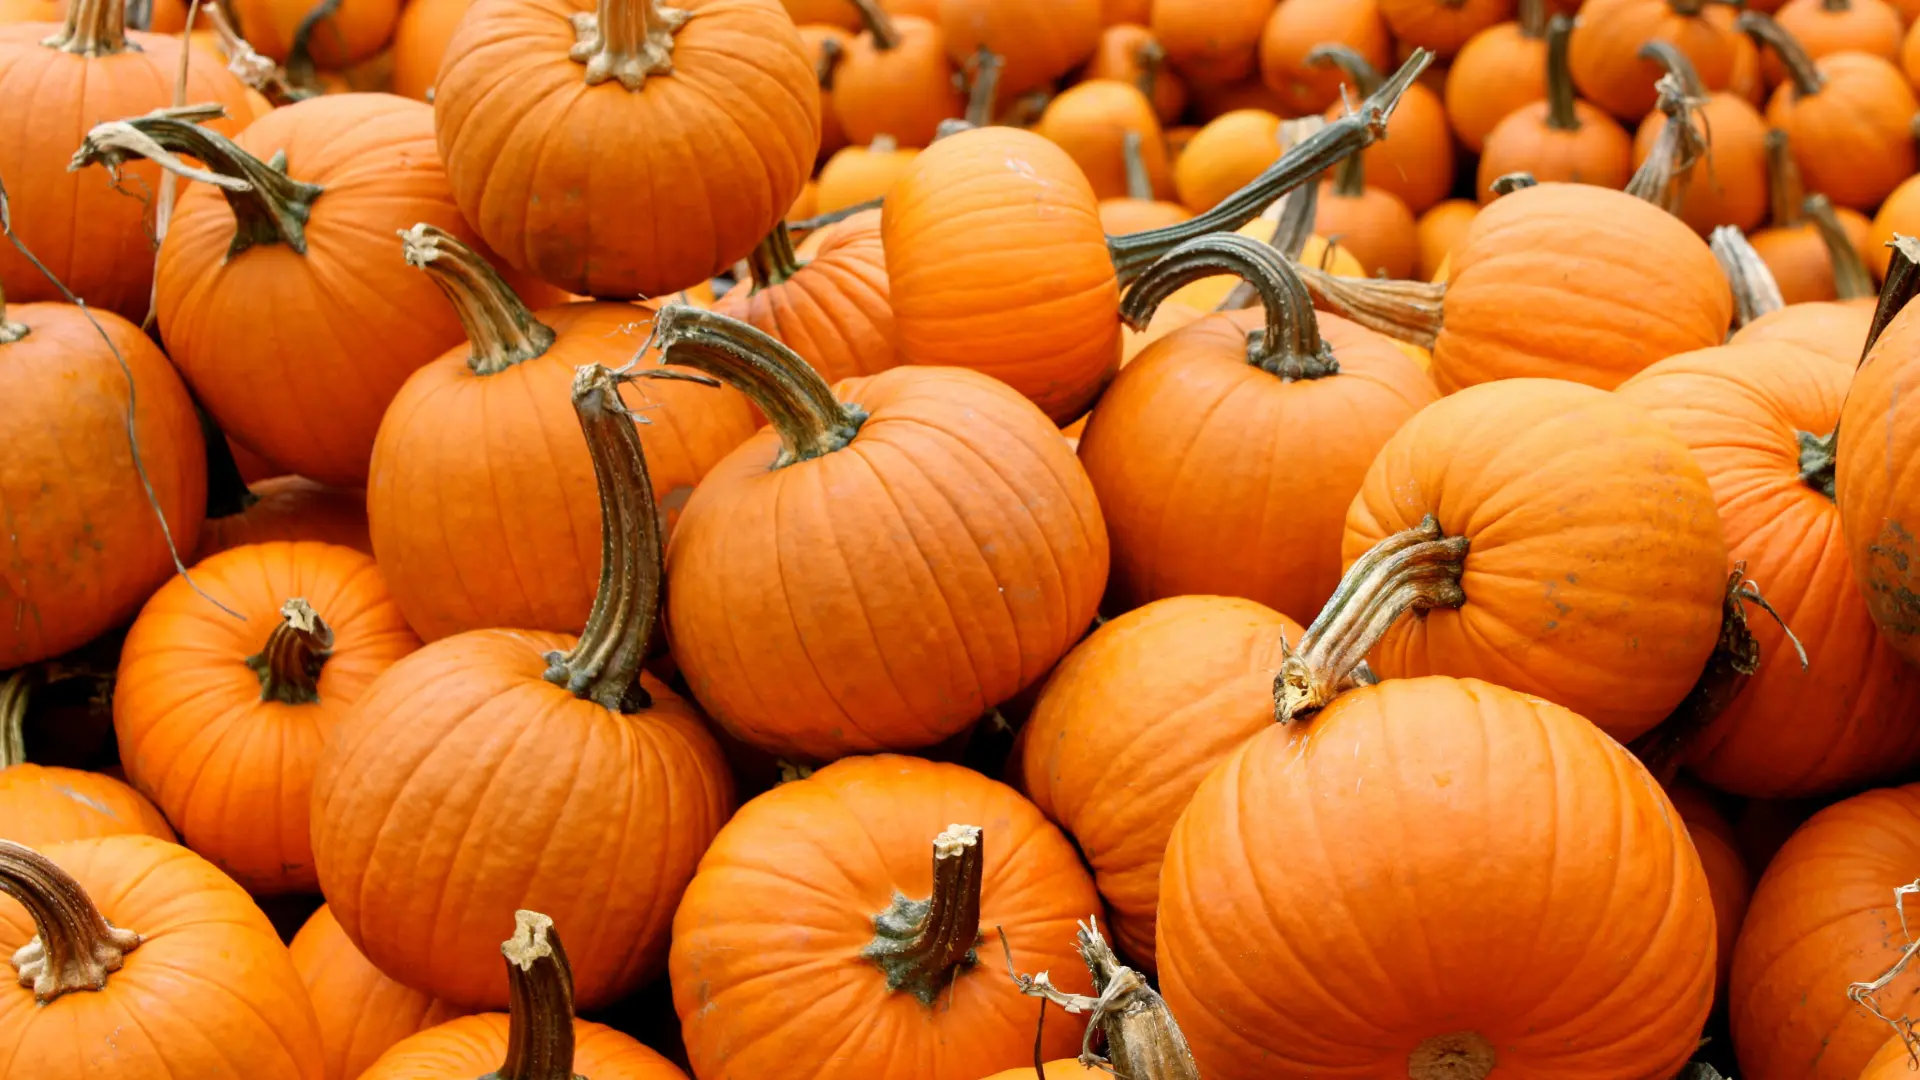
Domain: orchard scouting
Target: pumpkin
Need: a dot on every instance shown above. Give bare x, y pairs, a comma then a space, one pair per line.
840, 13
1115, 12
361, 1011
420, 43
1825, 27
477, 464
1129, 53
827, 45
1728, 878
1606, 58
116, 927
431, 790
862, 174
345, 34
19, 11
1910, 57
1211, 41
1295, 30
822, 890
1036, 43
1439, 231
44, 805
1092, 120
1370, 222
1414, 162
1064, 1069
91, 234
1898, 216
1728, 185
1794, 245
1442, 25
1497, 71
1894, 1060
1561, 138
539, 1039
1822, 918
261, 275
289, 508
1014, 556
92, 528
1138, 211
526, 86
1226, 155
1848, 116
831, 309
895, 80
1542, 953
1835, 330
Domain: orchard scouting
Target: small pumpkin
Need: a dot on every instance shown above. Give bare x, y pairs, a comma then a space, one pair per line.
1211, 41
831, 309
1225, 155
1442, 25
44, 804
1414, 160
1825, 27
289, 508
1036, 43
862, 174
827, 45
1295, 30
1562, 138
1795, 243
1129, 53
895, 80
1728, 184
1139, 210
1607, 61
341, 36
361, 1011
1092, 120
420, 42
1372, 223
1899, 215
1441, 230
1497, 71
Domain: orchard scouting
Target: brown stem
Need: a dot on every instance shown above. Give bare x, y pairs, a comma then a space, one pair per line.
1290, 235
1768, 34
10, 332
75, 947
1413, 570
1143, 1040
772, 260
1677, 64
257, 71
1902, 282
1289, 346
1662, 179
269, 207
1357, 69
13, 719
1783, 180
501, 329
986, 83
539, 1003
923, 945
886, 36
1851, 279
1410, 311
92, 28
1152, 58
1688, 8
831, 53
1139, 184
1755, 293
1533, 19
1303, 162
289, 664
627, 40
1838, 7
1508, 183
1561, 115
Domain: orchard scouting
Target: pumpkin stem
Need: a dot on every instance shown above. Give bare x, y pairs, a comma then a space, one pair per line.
831, 53
1768, 34
257, 71
924, 945
1290, 235
796, 400
1508, 183
985, 84
627, 40
269, 207
92, 28
1838, 7
1365, 78
1851, 279
1152, 58
1289, 346
1901, 284
75, 948
1755, 293
772, 260
886, 36
1139, 184
1662, 179
1409, 311
1302, 162
1677, 64
1561, 115
539, 1003
1783, 180
290, 662
10, 332
13, 719
1817, 460
1413, 570
500, 328
1143, 1040
1533, 19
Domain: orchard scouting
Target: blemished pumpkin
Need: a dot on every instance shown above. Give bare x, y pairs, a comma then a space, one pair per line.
861, 174
361, 1011
1794, 245
87, 539
1092, 120
479, 462
895, 80
1499, 70
45, 804
1607, 63
1544, 953
1442, 25
1129, 53
429, 790
289, 508
1824, 27
1295, 30
1414, 161
132, 926
1558, 139
1441, 230
948, 489
1211, 41
831, 309
420, 42
1728, 878
1036, 43
1727, 185
1226, 155
91, 235
824, 889
528, 85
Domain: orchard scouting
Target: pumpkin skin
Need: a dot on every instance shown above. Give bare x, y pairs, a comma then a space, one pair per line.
1802, 266
1891, 1063
361, 1011
290, 508
1037, 43
420, 43
827, 46
1121, 216
1123, 55
1225, 156
1090, 121
833, 310
1604, 53
1441, 25
1900, 213
1499, 70
1594, 536
197, 929
473, 1046
831, 12
1296, 29
902, 92
1373, 224
44, 804
823, 856
1441, 230
1597, 153
742, 90
1835, 330
861, 174
1264, 889
1211, 41
1867, 26
1728, 878
1067, 1069
355, 31
84, 548
1877, 503
1414, 160
1823, 917
1729, 187
1851, 139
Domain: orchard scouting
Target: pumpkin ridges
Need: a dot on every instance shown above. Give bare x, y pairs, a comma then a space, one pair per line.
362, 1012
833, 310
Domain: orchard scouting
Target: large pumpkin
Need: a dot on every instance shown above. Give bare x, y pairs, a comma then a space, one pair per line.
531, 90
1835, 330
823, 890
831, 309
41, 805
361, 1011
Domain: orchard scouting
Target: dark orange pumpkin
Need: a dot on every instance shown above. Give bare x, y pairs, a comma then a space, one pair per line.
1211, 41
1499, 70
1606, 59
1728, 877
1728, 184
1414, 162
831, 309
361, 1011
1442, 25
1130, 54
289, 508
43, 804
1295, 30
895, 80
1825, 27
1092, 120
1561, 138
420, 43
1036, 43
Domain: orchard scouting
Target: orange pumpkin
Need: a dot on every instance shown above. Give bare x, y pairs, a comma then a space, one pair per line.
862, 174
839, 13
1499, 70
420, 43
1036, 43
1441, 230
1129, 53
1414, 162
1442, 25
1092, 120
1898, 216
1368, 221
349, 32
895, 80
909, 944
1560, 139
1794, 245
1225, 156
44, 805
1910, 56
289, 508
1728, 185
1606, 59
1138, 211
1295, 30
1728, 878
831, 309
1894, 1061
1837, 331
1825, 27
827, 45
1211, 41
361, 1011
526, 86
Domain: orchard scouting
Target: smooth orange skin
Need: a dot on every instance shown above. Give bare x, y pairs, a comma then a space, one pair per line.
1090, 121
1728, 878
361, 1011
1414, 162
420, 43
1879, 502
1729, 186
1597, 567
465, 786
1558, 909
1822, 918
838, 13
904, 91
1115, 12
1910, 57
482, 503
997, 263
1224, 156
45, 804
1800, 263
861, 174
91, 237
1893, 1062
1835, 330
1900, 214
1295, 29
1065, 1069
357, 30
291, 508
1852, 140
1867, 26
1117, 56
1441, 26
1847, 720
1598, 153
1498, 70
1118, 217
1037, 42
19, 11
1211, 41
514, 118
214, 994
834, 312
1441, 230
1745, 79
83, 548
1603, 53
785, 899
1160, 696
1570, 281
1375, 225
473, 1046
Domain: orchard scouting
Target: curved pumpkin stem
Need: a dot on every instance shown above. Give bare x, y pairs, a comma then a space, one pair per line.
1662, 179
796, 400
1851, 278
75, 948
269, 207
772, 260
539, 1003
1302, 163
886, 36
1410, 311
923, 945
1677, 64
1414, 570
1139, 184
1357, 68
13, 719
500, 328
1143, 1040
1561, 115
92, 28
1290, 345
289, 665
1785, 190
1755, 293
1290, 235
1768, 34
1901, 284
824, 69
627, 40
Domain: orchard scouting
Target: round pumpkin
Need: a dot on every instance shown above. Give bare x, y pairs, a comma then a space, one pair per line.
1892, 1062
1728, 185
1129, 53
1211, 41
1837, 331
361, 1011
1558, 139
1441, 230
348, 32
895, 80
1138, 210
1036, 43
1898, 216
1497, 71
831, 309
1442, 25
1092, 120
1605, 55
1728, 878
1824, 27
1295, 30
44, 804
1794, 244
1370, 222
1414, 160
1225, 156
839, 13
289, 508
862, 174
420, 43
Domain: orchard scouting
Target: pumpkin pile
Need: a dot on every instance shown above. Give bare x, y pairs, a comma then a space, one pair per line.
959, 539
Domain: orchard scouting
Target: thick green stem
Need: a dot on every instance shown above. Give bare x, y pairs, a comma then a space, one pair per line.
92, 28
1561, 115
1768, 34
13, 719
1139, 184
1851, 278
502, 331
886, 36
772, 260
1783, 181
1755, 293
922, 946
75, 948
1290, 345
627, 40
539, 1003
290, 663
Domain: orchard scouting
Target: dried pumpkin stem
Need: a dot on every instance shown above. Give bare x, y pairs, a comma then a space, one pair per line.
1302, 163
1783, 180
886, 35
269, 207
1143, 1040
985, 84
824, 69
1139, 184
1561, 115
92, 28
1677, 64
500, 328
539, 1003
1290, 235
1851, 279
922, 946
257, 71
1290, 345
1152, 58
1533, 19
628, 40
1768, 34
1901, 284
289, 664
10, 331
75, 947
796, 400
1508, 183
1838, 7
1365, 78
14, 690
1410, 311
772, 260
1413, 570
1662, 179
1755, 293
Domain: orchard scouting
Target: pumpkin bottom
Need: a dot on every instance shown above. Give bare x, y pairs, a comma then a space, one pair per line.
1463, 1055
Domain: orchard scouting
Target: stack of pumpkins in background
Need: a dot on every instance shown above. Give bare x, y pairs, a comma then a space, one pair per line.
1361, 537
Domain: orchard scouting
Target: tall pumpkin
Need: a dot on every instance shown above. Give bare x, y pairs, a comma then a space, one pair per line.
832, 309
42, 804
531, 89
361, 1011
